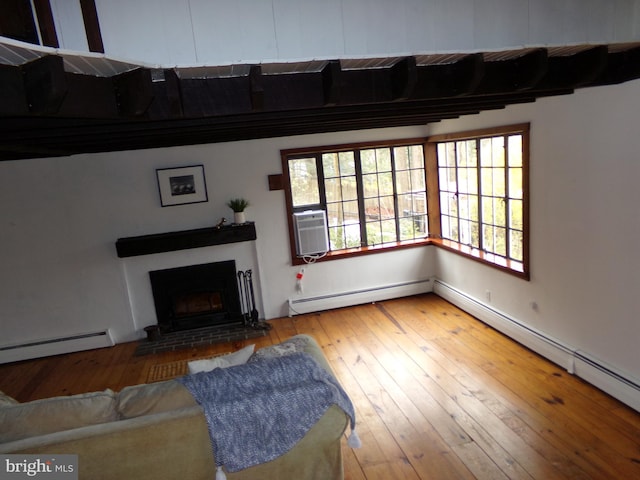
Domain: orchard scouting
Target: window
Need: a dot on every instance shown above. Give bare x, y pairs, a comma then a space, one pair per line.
374, 196
483, 199
466, 192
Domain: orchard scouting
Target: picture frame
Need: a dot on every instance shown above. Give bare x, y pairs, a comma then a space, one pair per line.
182, 185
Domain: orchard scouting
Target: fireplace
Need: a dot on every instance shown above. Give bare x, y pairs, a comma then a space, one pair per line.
197, 296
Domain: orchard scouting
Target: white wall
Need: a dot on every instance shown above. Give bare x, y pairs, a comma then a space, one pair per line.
221, 32
585, 169
61, 217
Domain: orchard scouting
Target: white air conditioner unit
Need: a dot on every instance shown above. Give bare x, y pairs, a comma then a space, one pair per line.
311, 232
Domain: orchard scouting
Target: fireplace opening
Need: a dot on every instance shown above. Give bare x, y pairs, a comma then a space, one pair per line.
197, 303
197, 296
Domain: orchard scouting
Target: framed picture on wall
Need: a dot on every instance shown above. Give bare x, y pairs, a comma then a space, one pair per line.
182, 185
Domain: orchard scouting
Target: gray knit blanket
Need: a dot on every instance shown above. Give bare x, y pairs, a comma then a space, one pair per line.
258, 411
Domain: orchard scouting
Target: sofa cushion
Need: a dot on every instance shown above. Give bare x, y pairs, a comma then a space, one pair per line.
7, 400
223, 361
147, 399
23, 420
299, 343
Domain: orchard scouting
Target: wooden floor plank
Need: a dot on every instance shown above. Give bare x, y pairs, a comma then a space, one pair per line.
422, 444
479, 387
487, 430
437, 395
507, 383
361, 386
590, 447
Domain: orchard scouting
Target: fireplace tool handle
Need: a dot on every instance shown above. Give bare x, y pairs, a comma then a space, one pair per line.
244, 299
254, 312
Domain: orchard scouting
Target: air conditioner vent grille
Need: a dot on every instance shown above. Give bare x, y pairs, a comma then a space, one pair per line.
311, 232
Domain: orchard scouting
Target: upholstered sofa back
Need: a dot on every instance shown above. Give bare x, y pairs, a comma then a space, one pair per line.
156, 431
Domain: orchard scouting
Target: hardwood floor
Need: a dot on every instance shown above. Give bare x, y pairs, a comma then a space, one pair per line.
438, 395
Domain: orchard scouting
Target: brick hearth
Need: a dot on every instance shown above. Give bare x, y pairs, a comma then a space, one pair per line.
185, 339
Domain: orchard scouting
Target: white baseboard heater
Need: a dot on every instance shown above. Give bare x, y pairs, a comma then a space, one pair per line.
592, 370
55, 346
357, 297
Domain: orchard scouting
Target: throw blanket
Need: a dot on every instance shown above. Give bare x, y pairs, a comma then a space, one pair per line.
260, 410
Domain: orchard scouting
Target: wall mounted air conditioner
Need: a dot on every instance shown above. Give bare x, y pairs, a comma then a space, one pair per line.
311, 232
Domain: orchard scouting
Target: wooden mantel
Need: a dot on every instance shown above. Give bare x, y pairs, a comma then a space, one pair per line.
186, 239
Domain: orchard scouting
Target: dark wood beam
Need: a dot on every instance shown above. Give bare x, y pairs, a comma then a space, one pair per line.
134, 92
451, 79
365, 86
75, 136
404, 77
92, 25
46, 23
514, 75
574, 71
331, 82
256, 88
12, 94
622, 67
16, 21
167, 97
45, 111
293, 91
45, 84
207, 97
89, 97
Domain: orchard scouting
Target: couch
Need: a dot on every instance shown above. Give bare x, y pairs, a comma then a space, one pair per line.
158, 431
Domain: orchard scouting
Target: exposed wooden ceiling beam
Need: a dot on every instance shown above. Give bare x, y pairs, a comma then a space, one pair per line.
331, 82
622, 67
404, 78
45, 111
517, 74
450, 80
574, 71
12, 94
45, 85
134, 92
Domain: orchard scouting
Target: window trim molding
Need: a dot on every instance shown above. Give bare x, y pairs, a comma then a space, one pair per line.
349, 252
433, 185
433, 198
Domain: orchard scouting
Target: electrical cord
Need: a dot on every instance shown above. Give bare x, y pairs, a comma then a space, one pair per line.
313, 258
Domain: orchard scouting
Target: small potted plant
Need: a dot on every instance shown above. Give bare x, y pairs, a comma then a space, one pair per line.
238, 206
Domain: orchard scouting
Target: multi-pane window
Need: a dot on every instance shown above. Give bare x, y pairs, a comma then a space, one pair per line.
372, 196
376, 195
482, 195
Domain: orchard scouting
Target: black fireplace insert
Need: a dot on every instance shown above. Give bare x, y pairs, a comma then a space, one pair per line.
197, 296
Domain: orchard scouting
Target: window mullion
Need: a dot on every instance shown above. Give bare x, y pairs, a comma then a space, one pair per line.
507, 202
395, 192
322, 191
360, 191
480, 196
457, 194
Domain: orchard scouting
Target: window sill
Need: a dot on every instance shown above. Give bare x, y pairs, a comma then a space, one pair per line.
508, 266
356, 252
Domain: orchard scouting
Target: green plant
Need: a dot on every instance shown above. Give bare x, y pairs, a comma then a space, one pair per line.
238, 204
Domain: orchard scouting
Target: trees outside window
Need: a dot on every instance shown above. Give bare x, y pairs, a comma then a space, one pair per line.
466, 192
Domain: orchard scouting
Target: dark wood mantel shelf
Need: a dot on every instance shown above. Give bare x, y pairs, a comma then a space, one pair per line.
172, 241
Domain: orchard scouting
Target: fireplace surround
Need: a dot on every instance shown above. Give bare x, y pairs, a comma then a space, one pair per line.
197, 296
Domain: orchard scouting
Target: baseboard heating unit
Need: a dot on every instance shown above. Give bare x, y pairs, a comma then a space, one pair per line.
358, 297
592, 370
55, 346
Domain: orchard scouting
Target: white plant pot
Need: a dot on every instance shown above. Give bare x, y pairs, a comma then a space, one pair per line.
238, 217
